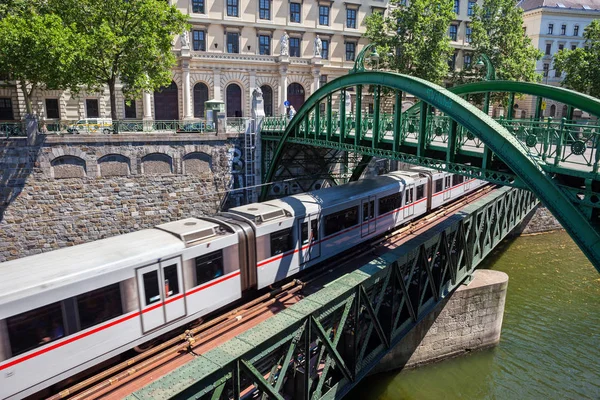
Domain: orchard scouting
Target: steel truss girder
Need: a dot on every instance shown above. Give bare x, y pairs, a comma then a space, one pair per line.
322, 346
526, 170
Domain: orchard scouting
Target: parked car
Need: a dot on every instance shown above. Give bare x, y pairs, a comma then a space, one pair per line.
92, 125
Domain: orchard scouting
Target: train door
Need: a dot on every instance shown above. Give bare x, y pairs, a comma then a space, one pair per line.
310, 246
409, 206
447, 185
368, 216
467, 183
161, 293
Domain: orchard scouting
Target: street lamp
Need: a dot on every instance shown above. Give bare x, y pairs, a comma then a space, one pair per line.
490, 73
375, 58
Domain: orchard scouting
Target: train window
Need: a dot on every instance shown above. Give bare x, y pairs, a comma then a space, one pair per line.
447, 181
341, 220
151, 289
457, 179
390, 203
368, 210
304, 232
408, 196
171, 281
35, 328
420, 192
209, 267
281, 241
99, 305
439, 185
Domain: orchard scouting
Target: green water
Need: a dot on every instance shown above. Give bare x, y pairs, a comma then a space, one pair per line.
550, 345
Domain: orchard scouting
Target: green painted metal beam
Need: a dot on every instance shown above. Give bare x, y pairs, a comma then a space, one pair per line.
493, 135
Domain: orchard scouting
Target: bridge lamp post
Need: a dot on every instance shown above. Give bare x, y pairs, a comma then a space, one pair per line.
490, 75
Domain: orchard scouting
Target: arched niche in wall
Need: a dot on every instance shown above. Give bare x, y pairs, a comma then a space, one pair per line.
114, 165
157, 164
68, 167
197, 163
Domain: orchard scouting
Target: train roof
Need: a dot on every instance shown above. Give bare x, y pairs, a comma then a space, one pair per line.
29, 275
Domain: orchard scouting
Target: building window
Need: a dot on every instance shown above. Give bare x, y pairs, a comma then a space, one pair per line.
546, 69
35, 328
550, 29
453, 32
467, 60
350, 51
325, 49
99, 305
322, 80
573, 46
267, 100
323, 15
351, 18
281, 241
557, 73
92, 109
209, 267
294, 47
468, 32
563, 30
456, 6
264, 9
199, 40
233, 42
232, 8
560, 47
452, 61
130, 111
264, 45
52, 110
548, 48
295, 11
198, 6
6, 110
470, 8
200, 97
576, 30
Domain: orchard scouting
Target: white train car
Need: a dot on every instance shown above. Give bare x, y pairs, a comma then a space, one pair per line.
66, 310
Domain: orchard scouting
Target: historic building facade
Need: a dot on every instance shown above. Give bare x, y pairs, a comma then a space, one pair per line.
233, 47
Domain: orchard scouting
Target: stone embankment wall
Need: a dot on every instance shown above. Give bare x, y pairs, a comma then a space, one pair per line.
470, 319
75, 189
540, 220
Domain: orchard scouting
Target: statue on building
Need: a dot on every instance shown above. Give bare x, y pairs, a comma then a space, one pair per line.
185, 39
318, 47
283, 42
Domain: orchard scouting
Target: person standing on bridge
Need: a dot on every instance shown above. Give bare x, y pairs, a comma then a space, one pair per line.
292, 112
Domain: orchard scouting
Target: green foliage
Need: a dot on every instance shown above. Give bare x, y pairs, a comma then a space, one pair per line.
38, 50
413, 39
497, 31
582, 65
124, 40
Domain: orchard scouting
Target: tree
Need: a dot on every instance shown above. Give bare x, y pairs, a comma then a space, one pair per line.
413, 39
37, 50
582, 65
124, 40
497, 31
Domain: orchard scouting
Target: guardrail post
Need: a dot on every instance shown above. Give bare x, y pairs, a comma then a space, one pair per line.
511, 104
546, 139
376, 107
398, 121
358, 105
422, 129
559, 144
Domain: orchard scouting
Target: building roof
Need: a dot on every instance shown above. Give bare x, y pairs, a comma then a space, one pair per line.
589, 5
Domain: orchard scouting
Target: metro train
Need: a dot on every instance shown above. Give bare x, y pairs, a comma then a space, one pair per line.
64, 311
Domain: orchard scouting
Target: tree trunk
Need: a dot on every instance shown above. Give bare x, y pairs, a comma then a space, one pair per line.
27, 97
113, 101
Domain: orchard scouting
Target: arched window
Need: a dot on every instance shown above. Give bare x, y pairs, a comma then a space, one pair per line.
114, 165
156, 164
564, 111
166, 105
234, 100
200, 97
295, 95
267, 99
553, 110
68, 167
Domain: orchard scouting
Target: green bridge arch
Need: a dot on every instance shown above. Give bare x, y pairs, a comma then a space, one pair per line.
528, 172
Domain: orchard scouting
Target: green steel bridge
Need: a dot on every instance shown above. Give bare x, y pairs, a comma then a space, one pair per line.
557, 160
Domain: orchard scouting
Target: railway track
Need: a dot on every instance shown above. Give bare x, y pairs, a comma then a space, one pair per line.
101, 384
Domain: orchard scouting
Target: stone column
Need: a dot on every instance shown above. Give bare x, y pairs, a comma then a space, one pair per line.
187, 97
147, 100
283, 84
217, 84
316, 74
251, 89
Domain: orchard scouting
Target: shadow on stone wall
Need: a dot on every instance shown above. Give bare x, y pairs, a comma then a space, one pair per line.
17, 162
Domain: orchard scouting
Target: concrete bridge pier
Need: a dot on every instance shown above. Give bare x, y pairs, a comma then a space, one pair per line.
468, 320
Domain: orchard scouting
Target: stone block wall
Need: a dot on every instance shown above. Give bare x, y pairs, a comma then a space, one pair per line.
540, 220
470, 319
75, 189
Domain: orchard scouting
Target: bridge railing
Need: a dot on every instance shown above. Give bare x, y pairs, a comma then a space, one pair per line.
10, 129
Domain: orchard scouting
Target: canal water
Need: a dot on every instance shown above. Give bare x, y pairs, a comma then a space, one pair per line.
550, 344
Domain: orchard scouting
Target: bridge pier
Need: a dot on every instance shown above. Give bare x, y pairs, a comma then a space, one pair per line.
468, 320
